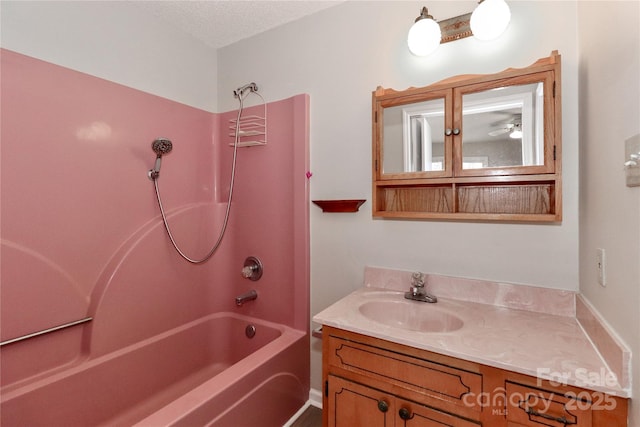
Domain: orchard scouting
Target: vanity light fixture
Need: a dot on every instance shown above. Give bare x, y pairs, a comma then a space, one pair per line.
490, 19
424, 35
487, 22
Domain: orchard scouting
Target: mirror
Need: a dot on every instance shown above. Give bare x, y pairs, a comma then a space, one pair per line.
471, 147
414, 136
503, 127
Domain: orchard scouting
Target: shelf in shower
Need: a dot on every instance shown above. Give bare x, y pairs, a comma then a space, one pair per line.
249, 143
251, 126
246, 133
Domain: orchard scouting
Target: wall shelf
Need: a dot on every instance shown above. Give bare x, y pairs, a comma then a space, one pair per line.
351, 205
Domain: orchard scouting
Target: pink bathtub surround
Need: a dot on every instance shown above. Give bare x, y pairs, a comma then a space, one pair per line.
530, 298
82, 237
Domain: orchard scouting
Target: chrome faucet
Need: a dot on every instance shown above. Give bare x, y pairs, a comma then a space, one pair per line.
417, 292
249, 296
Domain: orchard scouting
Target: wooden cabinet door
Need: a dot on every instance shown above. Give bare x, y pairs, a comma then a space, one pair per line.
354, 405
411, 414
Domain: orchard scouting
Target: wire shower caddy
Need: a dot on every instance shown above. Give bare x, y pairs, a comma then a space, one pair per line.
253, 128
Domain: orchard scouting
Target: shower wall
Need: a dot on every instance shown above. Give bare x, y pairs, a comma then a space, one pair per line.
81, 232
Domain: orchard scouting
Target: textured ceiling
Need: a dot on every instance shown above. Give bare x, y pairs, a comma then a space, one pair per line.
219, 23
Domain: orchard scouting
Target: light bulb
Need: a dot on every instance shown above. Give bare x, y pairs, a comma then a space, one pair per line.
424, 37
490, 19
516, 133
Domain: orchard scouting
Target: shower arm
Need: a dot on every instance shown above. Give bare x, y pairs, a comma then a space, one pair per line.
242, 89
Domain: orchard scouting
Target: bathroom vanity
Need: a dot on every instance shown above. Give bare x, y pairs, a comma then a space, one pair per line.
388, 361
372, 382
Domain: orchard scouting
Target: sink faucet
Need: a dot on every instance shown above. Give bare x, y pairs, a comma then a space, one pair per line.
249, 296
417, 292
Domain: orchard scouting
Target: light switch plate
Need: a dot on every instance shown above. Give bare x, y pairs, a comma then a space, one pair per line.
632, 146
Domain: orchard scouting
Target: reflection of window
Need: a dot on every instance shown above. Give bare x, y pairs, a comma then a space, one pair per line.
490, 116
475, 162
469, 162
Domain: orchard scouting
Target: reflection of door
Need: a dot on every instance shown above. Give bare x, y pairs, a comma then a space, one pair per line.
426, 144
418, 155
423, 126
413, 152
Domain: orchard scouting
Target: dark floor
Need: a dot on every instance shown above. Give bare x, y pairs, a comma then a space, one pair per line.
312, 417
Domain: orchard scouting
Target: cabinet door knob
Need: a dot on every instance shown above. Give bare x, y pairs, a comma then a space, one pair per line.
456, 131
405, 414
448, 132
383, 406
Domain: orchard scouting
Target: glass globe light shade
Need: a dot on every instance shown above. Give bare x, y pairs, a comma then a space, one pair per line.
424, 37
490, 19
516, 133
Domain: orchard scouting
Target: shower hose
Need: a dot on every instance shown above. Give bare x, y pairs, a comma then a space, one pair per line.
227, 210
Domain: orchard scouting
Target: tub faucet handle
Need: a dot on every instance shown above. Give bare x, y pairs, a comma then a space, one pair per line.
252, 268
247, 272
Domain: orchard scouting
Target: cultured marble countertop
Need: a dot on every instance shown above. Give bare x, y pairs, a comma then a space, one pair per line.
538, 344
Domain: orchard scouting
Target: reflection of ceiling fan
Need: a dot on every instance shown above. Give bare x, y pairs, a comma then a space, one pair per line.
513, 128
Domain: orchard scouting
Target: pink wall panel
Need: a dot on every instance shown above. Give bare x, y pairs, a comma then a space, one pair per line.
81, 233
75, 151
265, 220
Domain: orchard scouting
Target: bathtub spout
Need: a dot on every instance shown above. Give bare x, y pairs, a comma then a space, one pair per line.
249, 296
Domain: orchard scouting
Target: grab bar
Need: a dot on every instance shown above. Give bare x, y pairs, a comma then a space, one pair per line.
46, 331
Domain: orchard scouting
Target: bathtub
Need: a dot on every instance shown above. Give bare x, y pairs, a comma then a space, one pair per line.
204, 373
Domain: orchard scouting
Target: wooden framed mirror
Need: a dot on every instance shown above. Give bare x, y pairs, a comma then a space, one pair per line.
499, 134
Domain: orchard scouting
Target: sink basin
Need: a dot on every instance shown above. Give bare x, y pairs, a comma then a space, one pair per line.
420, 317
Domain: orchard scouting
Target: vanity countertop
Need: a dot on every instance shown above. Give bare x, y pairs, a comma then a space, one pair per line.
542, 345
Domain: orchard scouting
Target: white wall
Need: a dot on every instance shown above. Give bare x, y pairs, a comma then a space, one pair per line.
609, 211
339, 56
116, 41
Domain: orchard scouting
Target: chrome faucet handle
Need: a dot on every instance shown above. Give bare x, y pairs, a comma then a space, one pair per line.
247, 272
252, 268
417, 290
417, 279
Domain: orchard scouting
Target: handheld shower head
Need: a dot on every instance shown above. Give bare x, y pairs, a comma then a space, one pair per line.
160, 146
